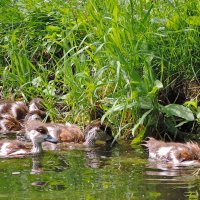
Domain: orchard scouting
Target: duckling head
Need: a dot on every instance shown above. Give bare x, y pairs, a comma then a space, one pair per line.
36, 104
38, 136
35, 115
97, 131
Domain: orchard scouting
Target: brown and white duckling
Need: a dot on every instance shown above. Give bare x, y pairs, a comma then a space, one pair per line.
61, 132
37, 134
179, 154
17, 110
97, 131
35, 115
12, 115
65, 132
36, 110
71, 133
36, 104
8, 124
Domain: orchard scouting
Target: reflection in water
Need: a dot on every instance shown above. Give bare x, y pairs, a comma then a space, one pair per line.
39, 183
101, 172
173, 182
167, 169
36, 164
97, 157
55, 165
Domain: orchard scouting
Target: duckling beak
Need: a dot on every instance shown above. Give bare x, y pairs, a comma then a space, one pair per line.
51, 139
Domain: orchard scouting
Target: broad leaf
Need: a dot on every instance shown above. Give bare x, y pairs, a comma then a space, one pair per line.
198, 112
178, 111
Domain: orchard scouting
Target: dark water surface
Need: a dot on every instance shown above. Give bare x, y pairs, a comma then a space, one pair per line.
99, 173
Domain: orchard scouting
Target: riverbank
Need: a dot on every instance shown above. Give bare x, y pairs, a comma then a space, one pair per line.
134, 65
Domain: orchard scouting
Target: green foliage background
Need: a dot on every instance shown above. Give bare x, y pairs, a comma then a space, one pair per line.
112, 57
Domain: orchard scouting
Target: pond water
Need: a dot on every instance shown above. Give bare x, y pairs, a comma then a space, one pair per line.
121, 172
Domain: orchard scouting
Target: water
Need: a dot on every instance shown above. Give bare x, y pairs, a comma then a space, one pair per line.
121, 172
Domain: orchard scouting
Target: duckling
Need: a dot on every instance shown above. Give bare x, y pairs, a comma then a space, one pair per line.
93, 132
36, 133
17, 110
183, 154
36, 111
8, 123
62, 133
12, 115
35, 104
65, 132
97, 131
71, 133
35, 115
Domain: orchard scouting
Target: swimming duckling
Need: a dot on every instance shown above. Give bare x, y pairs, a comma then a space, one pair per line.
69, 133
97, 131
183, 154
62, 133
35, 115
17, 110
65, 132
36, 111
35, 104
8, 123
37, 134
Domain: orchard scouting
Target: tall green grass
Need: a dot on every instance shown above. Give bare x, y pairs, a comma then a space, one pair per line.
114, 56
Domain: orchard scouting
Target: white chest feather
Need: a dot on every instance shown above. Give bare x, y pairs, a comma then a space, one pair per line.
163, 151
4, 149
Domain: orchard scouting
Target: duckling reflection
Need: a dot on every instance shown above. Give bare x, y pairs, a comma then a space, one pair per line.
165, 172
57, 163
36, 165
98, 157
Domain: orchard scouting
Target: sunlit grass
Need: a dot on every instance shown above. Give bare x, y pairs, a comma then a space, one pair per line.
114, 55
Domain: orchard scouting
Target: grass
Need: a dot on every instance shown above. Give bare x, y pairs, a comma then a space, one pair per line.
106, 59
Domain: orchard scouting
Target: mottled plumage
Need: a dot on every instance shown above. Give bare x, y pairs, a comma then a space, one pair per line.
176, 153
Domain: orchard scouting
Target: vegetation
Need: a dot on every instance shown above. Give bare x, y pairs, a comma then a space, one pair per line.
132, 63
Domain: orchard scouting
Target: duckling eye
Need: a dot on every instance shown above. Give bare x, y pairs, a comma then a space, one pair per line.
42, 130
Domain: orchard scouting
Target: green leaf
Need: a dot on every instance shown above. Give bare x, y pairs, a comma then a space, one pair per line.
198, 113
51, 28
178, 111
191, 103
117, 107
158, 84
140, 121
139, 137
193, 20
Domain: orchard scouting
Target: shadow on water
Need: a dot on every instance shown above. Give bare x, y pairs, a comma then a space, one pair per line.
102, 172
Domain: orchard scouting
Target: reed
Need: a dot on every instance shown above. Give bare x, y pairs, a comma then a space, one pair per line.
115, 56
